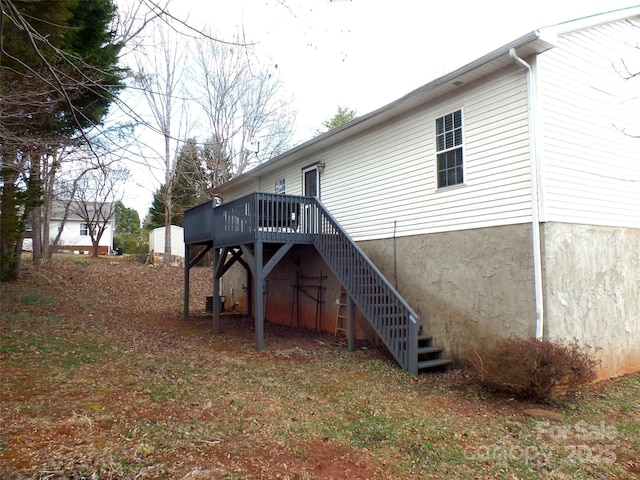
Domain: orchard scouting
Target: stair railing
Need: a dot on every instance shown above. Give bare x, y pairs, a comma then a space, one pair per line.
388, 313
275, 217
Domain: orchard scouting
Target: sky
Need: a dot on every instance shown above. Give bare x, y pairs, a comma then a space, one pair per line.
364, 54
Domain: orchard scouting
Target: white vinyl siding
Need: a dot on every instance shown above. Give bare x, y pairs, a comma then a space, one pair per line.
246, 188
385, 181
591, 167
72, 234
267, 183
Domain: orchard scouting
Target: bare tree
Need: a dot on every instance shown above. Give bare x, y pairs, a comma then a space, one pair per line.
96, 200
162, 91
629, 70
247, 115
62, 172
50, 165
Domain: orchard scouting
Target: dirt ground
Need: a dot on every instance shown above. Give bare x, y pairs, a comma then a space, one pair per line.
103, 378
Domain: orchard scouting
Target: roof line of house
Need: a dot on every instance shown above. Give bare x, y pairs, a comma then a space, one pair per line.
592, 20
375, 117
534, 42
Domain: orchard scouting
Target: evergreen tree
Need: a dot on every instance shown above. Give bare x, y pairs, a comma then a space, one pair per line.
58, 75
127, 219
190, 179
342, 116
155, 217
128, 235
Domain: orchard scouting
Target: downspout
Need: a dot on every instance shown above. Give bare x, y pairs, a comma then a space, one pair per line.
535, 214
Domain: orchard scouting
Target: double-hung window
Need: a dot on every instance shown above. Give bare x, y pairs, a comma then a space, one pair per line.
449, 145
84, 229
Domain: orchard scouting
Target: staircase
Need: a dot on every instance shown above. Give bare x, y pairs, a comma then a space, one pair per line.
260, 218
391, 317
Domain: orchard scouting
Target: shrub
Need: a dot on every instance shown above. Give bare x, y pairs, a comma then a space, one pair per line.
131, 243
531, 368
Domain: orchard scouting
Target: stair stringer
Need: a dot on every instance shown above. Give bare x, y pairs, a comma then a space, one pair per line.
387, 312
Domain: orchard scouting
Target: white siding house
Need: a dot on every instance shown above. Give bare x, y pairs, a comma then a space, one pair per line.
75, 236
500, 199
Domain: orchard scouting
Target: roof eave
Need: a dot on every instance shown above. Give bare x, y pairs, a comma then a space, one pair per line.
527, 45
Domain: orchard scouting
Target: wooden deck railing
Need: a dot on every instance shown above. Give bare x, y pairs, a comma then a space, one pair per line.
266, 217
277, 218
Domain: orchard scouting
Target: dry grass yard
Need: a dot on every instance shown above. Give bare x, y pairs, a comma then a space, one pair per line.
103, 379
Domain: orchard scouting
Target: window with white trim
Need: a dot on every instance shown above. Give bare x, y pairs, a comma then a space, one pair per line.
280, 186
449, 145
84, 229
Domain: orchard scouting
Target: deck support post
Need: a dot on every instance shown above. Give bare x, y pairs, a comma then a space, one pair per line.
187, 269
249, 291
350, 333
259, 296
215, 323
251, 275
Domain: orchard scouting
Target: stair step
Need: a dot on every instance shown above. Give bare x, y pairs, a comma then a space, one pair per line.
424, 341
438, 362
380, 304
424, 350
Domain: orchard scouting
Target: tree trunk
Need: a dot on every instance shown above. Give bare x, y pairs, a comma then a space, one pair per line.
95, 239
167, 232
47, 248
168, 199
10, 234
37, 235
36, 214
94, 249
50, 178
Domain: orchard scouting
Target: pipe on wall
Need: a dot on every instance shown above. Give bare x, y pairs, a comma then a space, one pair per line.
535, 208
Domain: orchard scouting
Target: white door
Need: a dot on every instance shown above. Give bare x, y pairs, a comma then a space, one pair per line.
311, 188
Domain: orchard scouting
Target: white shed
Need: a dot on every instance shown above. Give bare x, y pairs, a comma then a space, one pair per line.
156, 240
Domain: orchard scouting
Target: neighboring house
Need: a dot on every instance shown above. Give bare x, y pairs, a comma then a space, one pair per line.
76, 237
156, 242
500, 199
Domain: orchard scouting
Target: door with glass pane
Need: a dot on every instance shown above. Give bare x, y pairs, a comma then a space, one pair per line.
310, 188
311, 183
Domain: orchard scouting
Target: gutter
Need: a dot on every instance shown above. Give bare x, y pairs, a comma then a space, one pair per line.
535, 194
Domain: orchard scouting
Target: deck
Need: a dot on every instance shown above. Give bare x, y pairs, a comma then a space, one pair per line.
258, 217
239, 230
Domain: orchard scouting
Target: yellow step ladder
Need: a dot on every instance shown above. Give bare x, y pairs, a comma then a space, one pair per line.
342, 314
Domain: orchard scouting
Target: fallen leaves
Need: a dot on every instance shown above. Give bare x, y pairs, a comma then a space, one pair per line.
102, 378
